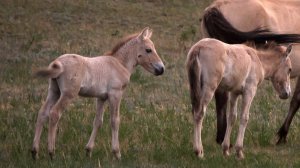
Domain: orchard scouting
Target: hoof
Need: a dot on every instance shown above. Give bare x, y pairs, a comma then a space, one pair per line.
51, 154
117, 155
88, 152
226, 149
226, 152
240, 155
199, 153
34, 154
281, 140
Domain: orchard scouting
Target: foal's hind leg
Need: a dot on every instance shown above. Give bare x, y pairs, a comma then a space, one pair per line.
53, 95
294, 106
199, 113
246, 103
231, 118
98, 121
114, 106
54, 117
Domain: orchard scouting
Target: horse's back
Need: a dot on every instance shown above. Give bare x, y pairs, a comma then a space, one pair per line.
91, 76
229, 65
278, 16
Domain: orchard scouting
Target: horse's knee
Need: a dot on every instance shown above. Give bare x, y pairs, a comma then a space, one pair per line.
54, 117
232, 117
244, 120
115, 122
198, 116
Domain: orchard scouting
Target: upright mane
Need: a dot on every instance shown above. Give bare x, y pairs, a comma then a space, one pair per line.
121, 43
270, 46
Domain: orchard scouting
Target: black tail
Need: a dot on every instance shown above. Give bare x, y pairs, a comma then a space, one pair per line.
194, 72
219, 28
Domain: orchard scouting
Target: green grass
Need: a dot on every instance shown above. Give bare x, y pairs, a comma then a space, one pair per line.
156, 121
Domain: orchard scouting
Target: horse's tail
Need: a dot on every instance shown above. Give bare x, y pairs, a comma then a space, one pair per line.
194, 76
218, 27
53, 70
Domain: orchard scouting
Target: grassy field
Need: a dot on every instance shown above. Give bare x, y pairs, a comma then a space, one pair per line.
156, 121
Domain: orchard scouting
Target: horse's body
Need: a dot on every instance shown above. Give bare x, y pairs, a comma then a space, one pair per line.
238, 69
250, 17
103, 77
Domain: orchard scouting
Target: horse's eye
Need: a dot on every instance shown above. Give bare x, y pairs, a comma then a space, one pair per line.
148, 50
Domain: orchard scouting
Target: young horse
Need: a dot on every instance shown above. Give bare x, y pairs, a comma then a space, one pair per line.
237, 69
103, 77
277, 16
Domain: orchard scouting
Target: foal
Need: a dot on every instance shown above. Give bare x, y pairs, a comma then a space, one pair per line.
103, 77
213, 65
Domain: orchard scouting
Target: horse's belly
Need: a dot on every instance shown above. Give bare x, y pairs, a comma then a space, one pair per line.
93, 91
231, 84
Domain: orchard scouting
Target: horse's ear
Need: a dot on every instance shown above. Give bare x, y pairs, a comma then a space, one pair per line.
145, 33
149, 33
288, 49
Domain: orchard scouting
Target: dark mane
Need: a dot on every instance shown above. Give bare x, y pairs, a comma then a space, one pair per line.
121, 43
218, 27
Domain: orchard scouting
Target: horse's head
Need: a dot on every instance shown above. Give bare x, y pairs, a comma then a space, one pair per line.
147, 56
281, 77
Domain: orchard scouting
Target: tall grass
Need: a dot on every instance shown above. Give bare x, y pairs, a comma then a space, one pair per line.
156, 121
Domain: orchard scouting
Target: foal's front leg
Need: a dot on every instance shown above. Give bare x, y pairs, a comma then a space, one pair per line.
246, 103
114, 106
98, 121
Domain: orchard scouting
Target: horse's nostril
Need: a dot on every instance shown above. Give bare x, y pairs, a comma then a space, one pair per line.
159, 71
284, 95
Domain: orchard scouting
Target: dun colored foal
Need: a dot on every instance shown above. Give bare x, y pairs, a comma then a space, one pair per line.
238, 69
103, 77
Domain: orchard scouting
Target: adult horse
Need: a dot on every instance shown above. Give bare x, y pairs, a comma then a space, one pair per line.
238, 69
103, 77
236, 21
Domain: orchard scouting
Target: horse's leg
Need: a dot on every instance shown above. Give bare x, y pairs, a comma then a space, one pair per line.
231, 118
221, 107
199, 114
54, 117
246, 103
98, 121
294, 106
114, 107
52, 97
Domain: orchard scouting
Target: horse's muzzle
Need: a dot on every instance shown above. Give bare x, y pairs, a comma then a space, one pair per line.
284, 95
159, 68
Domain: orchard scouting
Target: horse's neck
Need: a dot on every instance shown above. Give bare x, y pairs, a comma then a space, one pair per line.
269, 62
126, 56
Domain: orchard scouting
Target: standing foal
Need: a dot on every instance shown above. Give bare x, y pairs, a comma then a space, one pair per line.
103, 77
238, 69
